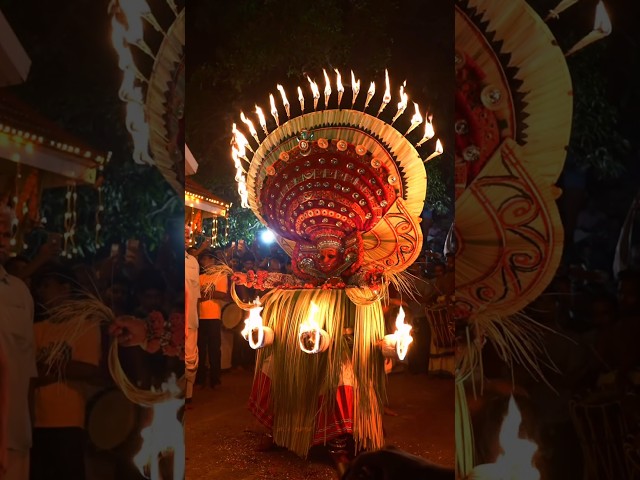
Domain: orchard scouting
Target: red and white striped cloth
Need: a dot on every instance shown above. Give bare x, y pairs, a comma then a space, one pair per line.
329, 425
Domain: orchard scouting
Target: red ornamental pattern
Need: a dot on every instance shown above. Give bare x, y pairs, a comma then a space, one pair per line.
325, 188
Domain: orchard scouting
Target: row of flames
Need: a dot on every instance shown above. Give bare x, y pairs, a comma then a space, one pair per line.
240, 144
601, 26
313, 339
127, 23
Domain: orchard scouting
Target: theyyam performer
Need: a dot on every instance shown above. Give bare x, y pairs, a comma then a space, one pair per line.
342, 190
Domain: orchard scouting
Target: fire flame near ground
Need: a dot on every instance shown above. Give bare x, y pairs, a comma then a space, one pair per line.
163, 437
516, 460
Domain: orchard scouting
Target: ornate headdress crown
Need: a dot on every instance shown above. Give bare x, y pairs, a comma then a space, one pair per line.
324, 177
328, 240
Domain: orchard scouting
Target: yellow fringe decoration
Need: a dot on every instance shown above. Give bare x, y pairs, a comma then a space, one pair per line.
464, 433
81, 315
299, 379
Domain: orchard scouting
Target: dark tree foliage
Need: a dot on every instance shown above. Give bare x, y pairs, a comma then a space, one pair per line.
605, 91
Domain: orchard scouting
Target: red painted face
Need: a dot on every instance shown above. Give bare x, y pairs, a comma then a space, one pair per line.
329, 259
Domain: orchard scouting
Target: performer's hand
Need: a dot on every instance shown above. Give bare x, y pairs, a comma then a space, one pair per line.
129, 331
239, 278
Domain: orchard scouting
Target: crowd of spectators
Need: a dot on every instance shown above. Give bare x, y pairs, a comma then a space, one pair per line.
130, 281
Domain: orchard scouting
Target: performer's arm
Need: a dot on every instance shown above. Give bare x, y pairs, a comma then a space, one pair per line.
263, 280
152, 334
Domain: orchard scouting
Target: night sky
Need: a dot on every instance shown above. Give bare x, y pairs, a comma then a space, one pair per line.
74, 76
237, 55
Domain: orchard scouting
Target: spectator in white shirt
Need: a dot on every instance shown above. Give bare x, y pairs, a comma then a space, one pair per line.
17, 342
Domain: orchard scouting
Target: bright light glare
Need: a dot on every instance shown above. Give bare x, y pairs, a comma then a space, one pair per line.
267, 237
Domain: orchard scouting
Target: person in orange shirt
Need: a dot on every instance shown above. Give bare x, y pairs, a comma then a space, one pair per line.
59, 400
210, 313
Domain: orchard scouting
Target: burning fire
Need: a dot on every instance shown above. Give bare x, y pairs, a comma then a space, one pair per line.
516, 460
254, 331
602, 21
131, 93
261, 120
240, 142
437, 151
162, 437
387, 92
315, 91
240, 178
402, 105
249, 124
339, 86
403, 335
274, 109
285, 102
416, 119
301, 99
428, 132
370, 93
601, 28
327, 88
355, 85
312, 338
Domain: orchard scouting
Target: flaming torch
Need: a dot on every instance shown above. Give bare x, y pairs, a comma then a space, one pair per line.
261, 120
387, 93
415, 120
301, 99
131, 93
249, 124
340, 87
397, 344
561, 7
163, 438
402, 105
355, 86
134, 12
370, 93
254, 331
241, 142
312, 338
240, 178
315, 92
428, 132
438, 151
285, 102
327, 88
274, 110
601, 28
516, 461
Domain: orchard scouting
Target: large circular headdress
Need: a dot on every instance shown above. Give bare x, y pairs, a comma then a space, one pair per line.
513, 122
336, 178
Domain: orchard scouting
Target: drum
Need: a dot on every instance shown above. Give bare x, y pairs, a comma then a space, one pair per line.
232, 315
111, 418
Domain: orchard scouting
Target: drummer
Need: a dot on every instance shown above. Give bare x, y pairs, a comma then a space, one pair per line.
210, 312
59, 435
